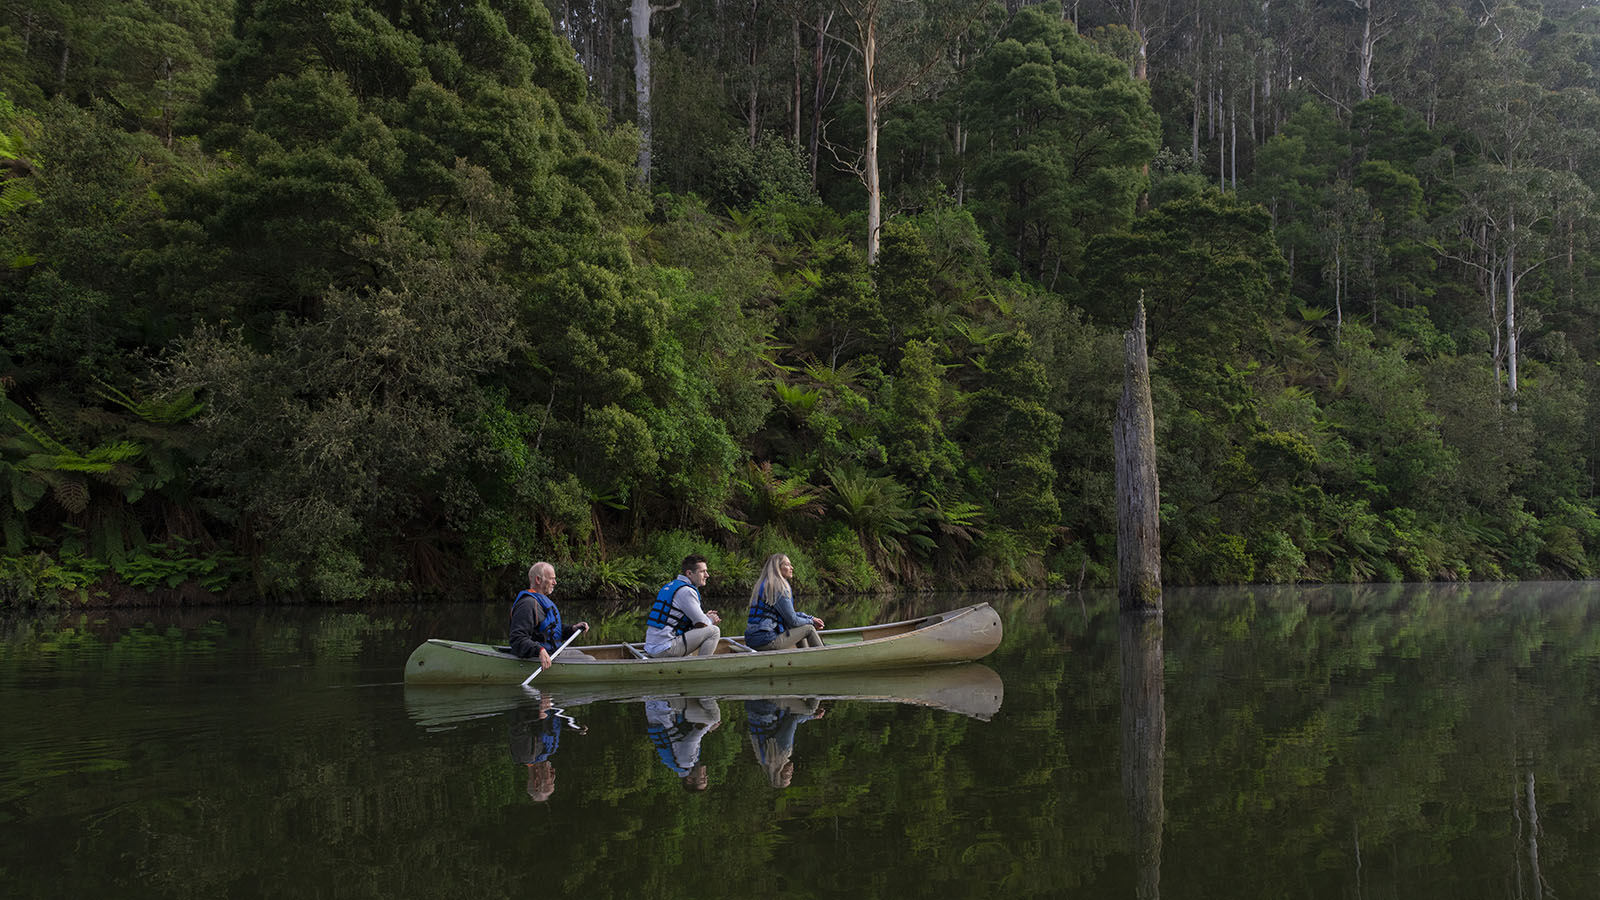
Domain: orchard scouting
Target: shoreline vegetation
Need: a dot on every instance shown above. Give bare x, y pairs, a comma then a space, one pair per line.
343, 301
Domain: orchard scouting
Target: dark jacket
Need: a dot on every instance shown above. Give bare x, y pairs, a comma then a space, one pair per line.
535, 623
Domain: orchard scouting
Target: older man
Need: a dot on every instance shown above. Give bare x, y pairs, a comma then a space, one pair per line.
536, 627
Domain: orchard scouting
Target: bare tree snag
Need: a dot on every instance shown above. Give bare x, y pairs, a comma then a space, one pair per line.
1138, 489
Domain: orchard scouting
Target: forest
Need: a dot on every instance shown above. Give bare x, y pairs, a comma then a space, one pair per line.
341, 300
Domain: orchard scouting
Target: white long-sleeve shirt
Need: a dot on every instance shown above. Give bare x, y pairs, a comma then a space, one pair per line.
686, 600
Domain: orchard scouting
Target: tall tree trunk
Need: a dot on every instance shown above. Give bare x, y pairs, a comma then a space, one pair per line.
1194, 123
1233, 139
166, 102
959, 143
1511, 315
1365, 52
869, 53
1222, 145
1138, 487
799, 70
1194, 128
1141, 58
639, 16
1497, 355
818, 69
752, 115
1338, 293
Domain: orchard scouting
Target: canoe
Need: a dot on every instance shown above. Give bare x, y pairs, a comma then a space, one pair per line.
968, 689
961, 635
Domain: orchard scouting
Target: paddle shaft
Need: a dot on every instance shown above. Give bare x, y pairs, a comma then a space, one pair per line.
553, 656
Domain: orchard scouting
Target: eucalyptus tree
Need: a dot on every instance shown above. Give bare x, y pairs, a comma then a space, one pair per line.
1060, 135
1350, 231
917, 36
1511, 198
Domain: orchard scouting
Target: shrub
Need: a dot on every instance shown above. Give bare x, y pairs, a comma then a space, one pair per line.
1277, 559
773, 169
37, 579
842, 561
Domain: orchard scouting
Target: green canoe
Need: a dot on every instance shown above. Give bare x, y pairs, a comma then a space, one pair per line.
960, 635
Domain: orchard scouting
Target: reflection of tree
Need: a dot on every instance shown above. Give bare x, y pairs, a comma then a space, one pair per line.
1361, 734
1144, 743
1323, 742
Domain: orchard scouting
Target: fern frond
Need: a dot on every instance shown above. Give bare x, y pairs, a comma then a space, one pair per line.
179, 407
72, 494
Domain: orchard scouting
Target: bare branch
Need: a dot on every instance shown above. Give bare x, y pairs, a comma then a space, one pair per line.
856, 167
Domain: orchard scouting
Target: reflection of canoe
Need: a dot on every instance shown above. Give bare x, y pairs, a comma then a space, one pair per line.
970, 689
957, 636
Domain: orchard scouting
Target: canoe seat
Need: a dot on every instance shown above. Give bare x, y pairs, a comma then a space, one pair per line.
636, 650
738, 646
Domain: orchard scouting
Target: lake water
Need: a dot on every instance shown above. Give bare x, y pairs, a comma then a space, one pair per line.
1372, 742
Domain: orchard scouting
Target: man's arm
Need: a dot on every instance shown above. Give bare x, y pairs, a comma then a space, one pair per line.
688, 602
524, 631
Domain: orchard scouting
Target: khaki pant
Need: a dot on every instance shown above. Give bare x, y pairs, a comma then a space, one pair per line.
700, 641
804, 636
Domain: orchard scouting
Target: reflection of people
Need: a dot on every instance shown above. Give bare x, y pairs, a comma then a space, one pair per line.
772, 725
774, 624
676, 729
677, 626
536, 628
535, 737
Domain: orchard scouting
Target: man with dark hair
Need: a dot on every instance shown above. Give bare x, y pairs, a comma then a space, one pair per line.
536, 628
677, 626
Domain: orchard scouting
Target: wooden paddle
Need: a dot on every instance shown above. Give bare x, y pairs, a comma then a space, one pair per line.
553, 656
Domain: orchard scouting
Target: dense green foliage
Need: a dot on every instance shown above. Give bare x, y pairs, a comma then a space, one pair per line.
347, 299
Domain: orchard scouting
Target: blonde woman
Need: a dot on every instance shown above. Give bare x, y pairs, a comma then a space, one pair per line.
774, 624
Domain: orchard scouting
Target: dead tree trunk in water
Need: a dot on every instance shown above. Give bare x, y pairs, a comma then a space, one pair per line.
1138, 489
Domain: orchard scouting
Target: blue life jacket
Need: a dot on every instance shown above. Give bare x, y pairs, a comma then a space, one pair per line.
664, 737
546, 619
763, 718
757, 633
664, 613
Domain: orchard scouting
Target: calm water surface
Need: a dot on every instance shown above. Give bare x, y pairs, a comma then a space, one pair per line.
1382, 742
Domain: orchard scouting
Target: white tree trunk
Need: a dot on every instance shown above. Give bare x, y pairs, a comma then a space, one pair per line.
639, 14
1511, 314
1368, 42
869, 53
